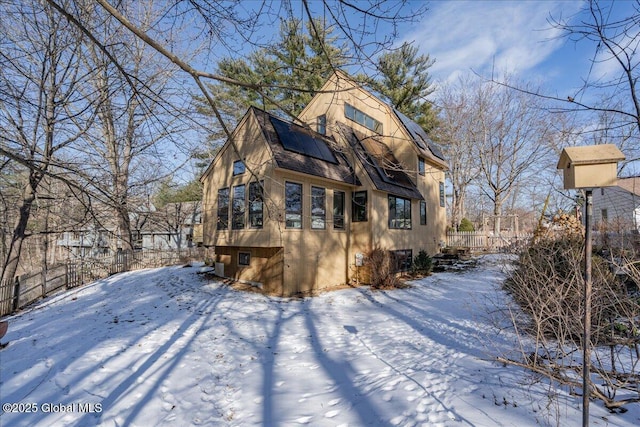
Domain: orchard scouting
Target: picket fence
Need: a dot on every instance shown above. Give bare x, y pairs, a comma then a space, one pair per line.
482, 241
25, 289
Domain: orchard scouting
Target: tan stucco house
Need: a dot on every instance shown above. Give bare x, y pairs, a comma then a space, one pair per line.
291, 208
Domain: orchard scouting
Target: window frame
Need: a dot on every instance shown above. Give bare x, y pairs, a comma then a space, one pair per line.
362, 118
442, 195
321, 124
256, 216
239, 168
315, 217
423, 212
242, 256
399, 218
290, 214
220, 224
402, 260
355, 208
338, 216
421, 166
238, 220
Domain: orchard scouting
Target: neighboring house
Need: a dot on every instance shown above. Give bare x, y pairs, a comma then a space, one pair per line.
292, 210
618, 208
174, 226
85, 243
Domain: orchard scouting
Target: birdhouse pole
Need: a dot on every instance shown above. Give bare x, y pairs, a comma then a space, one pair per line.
588, 167
586, 344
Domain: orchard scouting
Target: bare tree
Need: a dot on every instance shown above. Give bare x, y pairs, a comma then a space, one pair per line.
511, 140
39, 73
455, 133
358, 24
616, 40
497, 142
136, 117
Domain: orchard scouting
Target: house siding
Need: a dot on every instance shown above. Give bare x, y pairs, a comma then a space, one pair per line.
620, 204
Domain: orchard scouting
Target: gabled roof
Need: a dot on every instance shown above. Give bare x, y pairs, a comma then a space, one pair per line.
301, 150
378, 161
429, 149
589, 155
632, 184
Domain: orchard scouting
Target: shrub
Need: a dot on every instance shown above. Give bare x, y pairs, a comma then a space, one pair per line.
422, 263
466, 225
547, 284
381, 266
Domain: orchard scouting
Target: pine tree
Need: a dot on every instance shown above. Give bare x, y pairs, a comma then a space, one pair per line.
405, 82
288, 72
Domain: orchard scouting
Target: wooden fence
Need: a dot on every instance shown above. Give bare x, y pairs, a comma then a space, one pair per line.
25, 289
481, 241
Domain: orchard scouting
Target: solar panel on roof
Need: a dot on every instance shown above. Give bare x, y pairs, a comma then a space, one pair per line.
295, 138
419, 135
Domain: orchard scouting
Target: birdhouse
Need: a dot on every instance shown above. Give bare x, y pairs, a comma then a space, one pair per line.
590, 166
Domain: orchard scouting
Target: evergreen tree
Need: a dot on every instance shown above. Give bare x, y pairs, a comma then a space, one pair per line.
170, 192
466, 225
405, 83
288, 72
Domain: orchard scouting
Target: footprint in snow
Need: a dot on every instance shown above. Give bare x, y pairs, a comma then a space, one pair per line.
331, 414
304, 420
334, 402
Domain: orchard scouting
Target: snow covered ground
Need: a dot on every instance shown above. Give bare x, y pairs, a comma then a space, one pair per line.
166, 347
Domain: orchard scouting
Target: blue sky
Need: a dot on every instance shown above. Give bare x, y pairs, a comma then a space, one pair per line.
512, 36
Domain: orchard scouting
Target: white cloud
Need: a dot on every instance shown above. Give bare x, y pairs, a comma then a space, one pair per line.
483, 35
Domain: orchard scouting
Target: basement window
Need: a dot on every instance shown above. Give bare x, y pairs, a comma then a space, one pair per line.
402, 260
244, 259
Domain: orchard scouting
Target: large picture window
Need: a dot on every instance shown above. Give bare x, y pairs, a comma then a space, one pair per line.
399, 212
318, 208
293, 205
359, 206
223, 209
338, 210
256, 205
238, 207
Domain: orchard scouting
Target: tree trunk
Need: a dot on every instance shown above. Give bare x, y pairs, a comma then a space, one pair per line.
12, 260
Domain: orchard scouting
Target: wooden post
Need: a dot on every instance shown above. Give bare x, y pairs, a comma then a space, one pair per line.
16, 295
